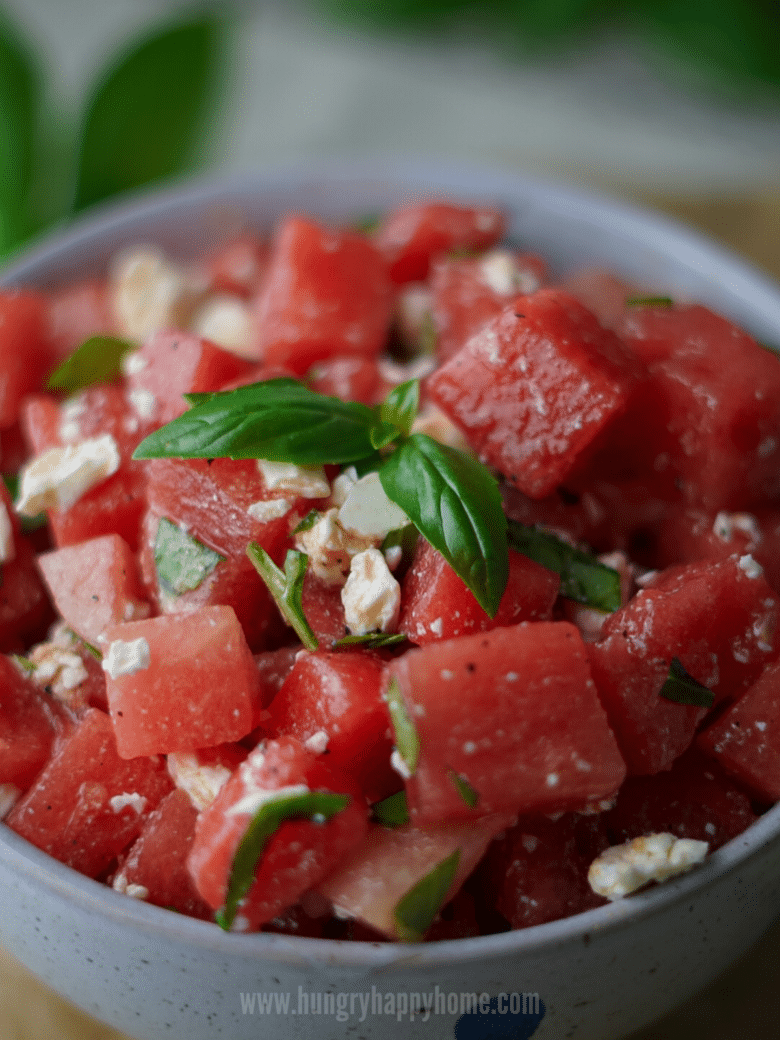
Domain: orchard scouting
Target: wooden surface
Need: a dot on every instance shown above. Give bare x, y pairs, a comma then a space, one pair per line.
744, 1004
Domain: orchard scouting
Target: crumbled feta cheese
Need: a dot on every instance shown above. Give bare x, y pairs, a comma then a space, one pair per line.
317, 742
148, 293
58, 668
269, 509
398, 763
257, 797
143, 403
368, 511
59, 477
127, 658
227, 321
330, 548
341, 485
7, 548
303, 481
500, 271
751, 567
202, 783
120, 884
726, 524
392, 372
393, 556
9, 795
123, 801
371, 596
437, 626
133, 363
623, 869
552, 779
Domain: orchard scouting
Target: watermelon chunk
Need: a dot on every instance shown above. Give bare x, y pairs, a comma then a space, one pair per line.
30, 724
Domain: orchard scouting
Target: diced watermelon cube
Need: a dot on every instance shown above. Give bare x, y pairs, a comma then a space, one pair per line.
326, 293
30, 723
534, 388
718, 618
88, 804
239, 266
77, 313
26, 352
351, 377
192, 684
512, 712
437, 605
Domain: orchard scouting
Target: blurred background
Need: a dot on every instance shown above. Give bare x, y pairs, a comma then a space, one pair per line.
672, 103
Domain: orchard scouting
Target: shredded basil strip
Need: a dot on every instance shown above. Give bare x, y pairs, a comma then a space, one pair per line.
407, 741
28, 523
308, 521
682, 688
583, 578
370, 641
416, 911
286, 587
181, 561
279, 420
649, 301
391, 811
97, 360
266, 821
464, 789
454, 502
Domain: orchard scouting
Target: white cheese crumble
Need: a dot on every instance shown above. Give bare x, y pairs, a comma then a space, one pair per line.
303, 481
341, 485
59, 477
9, 794
500, 271
7, 548
121, 884
317, 742
255, 798
148, 293
202, 783
56, 665
330, 548
123, 801
368, 511
133, 363
752, 568
371, 595
269, 509
398, 763
433, 422
227, 321
725, 524
127, 658
623, 869
143, 403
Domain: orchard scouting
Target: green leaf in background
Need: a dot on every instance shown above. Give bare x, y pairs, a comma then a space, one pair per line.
181, 561
19, 114
148, 113
417, 910
454, 502
280, 805
97, 360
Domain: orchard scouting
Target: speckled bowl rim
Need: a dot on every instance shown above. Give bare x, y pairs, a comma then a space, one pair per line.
747, 290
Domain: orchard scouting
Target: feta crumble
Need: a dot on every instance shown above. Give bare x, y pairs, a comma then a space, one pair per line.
368, 511
59, 477
371, 596
148, 293
202, 783
269, 509
317, 742
303, 481
500, 271
127, 658
750, 567
623, 869
124, 801
227, 321
398, 763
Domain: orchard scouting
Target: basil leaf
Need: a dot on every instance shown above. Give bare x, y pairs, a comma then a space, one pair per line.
391, 811
181, 561
27, 665
308, 521
416, 911
401, 405
382, 434
370, 641
454, 502
407, 741
148, 111
286, 587
404, 538
464, 789
583, 578
93, 650
97, 360
264, 824
682, 688
19, 105
279, 420
649, 301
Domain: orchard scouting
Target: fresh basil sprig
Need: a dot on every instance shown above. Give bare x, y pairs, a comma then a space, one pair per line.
97, 360
417, 910
682, 688
286, 587
649, 301
467, 793
391, 811
583, 578
450, 497
181, 561
407, 740
320, 804
370, 641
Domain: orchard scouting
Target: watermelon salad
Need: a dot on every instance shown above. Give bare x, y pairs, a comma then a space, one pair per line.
383, 583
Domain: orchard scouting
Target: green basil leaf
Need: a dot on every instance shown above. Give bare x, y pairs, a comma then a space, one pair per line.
97, 360
181, 561
370, 641
464, 789
382, 434
308, 521
27, 665
682, 688
279, 420
322, 805
286, 587
583, 578
19, 111
401, 405
416, 911
391, 811
454, 502
406, 539
93, 650
649, 301
148, 112
407, 741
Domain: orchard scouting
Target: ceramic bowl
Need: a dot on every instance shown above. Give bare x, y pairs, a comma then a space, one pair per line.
597, 976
